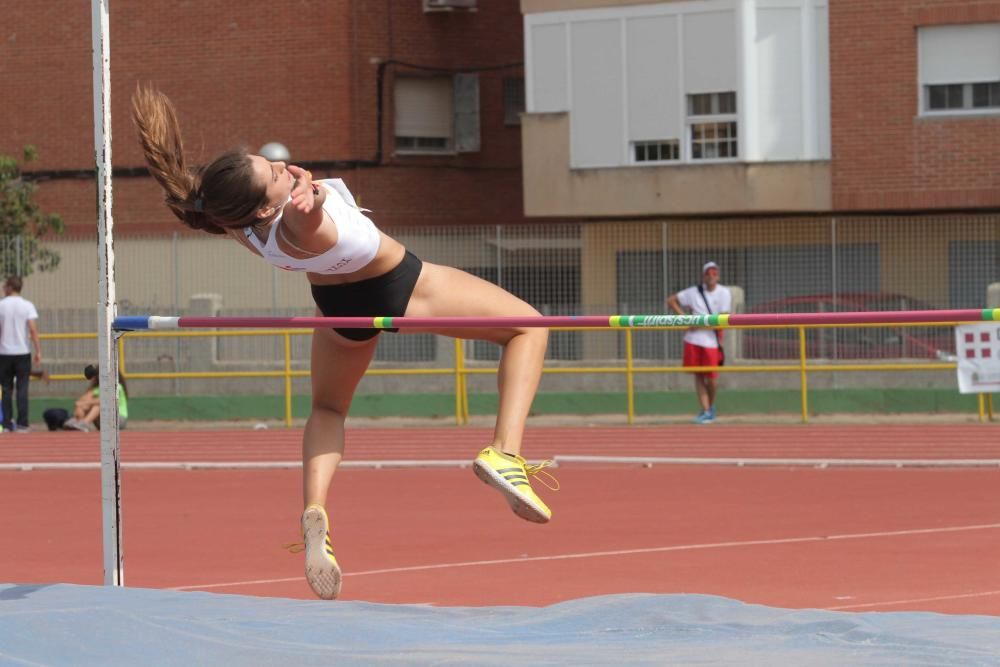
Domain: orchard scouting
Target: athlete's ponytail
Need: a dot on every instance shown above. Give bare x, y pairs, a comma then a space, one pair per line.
221, 195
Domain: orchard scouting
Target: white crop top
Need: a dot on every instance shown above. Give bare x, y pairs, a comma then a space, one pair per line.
357, 237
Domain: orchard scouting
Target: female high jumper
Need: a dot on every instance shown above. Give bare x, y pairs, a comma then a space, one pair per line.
278, 213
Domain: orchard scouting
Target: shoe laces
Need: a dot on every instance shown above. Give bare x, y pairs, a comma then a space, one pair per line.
544, 477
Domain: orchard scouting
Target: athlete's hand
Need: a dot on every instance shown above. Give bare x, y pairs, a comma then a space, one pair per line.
303, 191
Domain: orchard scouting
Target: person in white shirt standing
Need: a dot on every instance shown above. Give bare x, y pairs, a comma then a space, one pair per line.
702, 346
18, 319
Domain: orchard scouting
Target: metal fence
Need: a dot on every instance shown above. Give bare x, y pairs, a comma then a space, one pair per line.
775, 265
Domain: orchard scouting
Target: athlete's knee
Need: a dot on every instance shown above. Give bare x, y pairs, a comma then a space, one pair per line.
538, 334
329, 409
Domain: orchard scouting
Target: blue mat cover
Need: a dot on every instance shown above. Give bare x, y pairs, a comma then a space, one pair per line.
63, 624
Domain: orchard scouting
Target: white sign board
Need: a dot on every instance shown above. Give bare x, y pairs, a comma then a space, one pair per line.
977, 347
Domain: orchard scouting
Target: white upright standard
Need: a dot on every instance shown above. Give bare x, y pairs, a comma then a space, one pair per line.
107, 351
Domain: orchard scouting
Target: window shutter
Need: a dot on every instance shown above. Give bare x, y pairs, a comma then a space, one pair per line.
423, 107
959, 53
466, 112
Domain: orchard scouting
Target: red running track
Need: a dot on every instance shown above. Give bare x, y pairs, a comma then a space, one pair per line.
860, 539
857, 539
890, 441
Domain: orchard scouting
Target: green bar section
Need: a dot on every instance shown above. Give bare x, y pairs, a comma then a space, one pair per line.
991, 314
841, 401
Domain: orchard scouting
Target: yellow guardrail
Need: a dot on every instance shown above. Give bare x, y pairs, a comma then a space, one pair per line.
461, 372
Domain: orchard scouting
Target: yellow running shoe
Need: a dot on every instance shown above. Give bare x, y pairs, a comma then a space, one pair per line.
322, 571
508, 474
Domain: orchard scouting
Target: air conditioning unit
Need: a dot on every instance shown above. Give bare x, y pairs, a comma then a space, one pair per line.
449, 5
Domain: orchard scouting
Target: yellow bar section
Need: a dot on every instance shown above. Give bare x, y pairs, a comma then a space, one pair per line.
803, 376
288, 380
66, 336
205, 334
461, 372
629, 388
409, 371
458, 382
883, 367
202, 375
465, 394
465, 391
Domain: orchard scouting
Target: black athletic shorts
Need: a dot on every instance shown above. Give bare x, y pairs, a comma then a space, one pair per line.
382, 296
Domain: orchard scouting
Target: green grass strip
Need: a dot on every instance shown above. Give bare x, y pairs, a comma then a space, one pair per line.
781, 401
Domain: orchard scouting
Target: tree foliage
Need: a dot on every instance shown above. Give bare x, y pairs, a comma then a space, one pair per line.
23, 225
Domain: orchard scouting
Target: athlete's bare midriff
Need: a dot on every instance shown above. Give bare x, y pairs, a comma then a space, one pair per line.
390, 254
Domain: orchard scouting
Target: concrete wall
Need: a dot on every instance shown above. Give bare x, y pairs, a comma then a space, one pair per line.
551, 188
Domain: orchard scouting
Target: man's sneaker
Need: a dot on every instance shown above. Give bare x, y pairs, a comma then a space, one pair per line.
22, 429
322, 571
703, 417
76, 425
508, 474
711, 413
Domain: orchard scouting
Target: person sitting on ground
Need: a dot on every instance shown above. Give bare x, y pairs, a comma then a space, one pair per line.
87, 409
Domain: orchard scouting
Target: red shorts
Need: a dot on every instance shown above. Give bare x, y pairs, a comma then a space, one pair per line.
696, 355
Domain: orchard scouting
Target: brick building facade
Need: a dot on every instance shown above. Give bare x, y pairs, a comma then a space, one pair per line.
886, 156
304, 73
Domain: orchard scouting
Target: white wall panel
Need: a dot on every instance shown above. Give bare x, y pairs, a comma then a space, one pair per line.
711, 48
653, 74
959, 53
597, 117
624, 73
548, 72
822, 107
779, 77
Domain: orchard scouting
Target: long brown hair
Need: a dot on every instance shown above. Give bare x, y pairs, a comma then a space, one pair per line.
219, 195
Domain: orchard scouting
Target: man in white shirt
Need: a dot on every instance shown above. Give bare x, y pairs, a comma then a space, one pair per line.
18, 319
703, 347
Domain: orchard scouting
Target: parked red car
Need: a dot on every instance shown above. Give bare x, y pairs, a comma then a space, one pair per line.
847, 343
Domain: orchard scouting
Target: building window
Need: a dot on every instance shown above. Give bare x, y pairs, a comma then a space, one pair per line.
944, 97
422, 144
513, 100
712, 126
437, 114
959, 68
656, 151
712, 104
424, 114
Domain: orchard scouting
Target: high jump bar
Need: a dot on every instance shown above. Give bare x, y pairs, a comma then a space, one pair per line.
155, 322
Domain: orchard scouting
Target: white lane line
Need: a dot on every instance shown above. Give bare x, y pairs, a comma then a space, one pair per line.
236, 465
620, 552
783, 462
743, 462
889, 603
